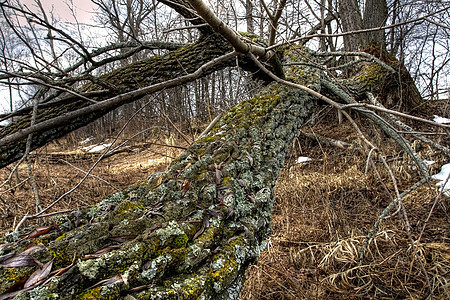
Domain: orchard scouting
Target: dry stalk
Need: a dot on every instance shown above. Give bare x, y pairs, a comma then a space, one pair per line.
28, 149
383, 215
91, 175
178, 130
408, 130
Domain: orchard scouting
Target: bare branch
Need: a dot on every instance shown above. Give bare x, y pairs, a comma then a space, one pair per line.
229, 34
115, 100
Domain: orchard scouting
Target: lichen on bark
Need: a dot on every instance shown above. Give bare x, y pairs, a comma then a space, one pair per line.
189, 232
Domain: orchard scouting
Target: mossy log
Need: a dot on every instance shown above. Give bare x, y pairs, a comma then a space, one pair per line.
187, 233
394, 87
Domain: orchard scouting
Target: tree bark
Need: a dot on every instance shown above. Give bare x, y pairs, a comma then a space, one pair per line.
375, 15
189, 232
249, 16
351, 20
186, 233
133, 77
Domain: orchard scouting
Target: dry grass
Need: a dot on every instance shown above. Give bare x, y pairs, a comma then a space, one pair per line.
323, 211
56, 174
319, 225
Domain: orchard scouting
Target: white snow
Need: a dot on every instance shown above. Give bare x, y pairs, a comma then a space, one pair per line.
442, 177
5, 122
87, 140
441, 120
96, 148
302, 159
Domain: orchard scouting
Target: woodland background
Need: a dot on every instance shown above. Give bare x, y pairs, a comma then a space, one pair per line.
324, 207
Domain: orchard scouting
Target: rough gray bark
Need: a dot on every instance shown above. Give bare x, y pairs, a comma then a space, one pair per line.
189, 232
186, 233
351, 20
249, 16
375, 15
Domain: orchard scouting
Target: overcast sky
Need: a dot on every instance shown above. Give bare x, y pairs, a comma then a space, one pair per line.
83, 8
60, 9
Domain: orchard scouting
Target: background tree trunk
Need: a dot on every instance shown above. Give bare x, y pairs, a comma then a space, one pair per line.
249, 11
351, 20
375, 15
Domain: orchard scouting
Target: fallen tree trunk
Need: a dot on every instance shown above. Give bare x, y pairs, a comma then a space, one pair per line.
187, 233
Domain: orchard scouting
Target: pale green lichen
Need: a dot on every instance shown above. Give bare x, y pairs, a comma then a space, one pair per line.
192, 230
38, 293
218, 264
170, 231
91, 267
156, 265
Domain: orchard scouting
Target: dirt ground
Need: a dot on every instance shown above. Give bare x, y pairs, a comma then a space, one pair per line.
324, 210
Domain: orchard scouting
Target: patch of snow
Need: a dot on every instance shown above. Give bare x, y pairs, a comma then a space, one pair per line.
302, 159
428, 162
96, 148
442, 177
4, 123
156, 161
441, 120
87, 140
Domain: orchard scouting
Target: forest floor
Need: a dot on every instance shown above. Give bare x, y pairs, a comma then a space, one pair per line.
324, 209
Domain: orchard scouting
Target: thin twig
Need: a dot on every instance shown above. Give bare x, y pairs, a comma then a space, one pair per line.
313, 93
308, 37
184, 28
210, 126
94, 176
40, 82
116, 100
408, 129
185, 138
393, 112
87, 174
14, 187
28, 149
